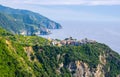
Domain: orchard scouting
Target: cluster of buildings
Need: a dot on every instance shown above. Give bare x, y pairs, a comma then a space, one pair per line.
70, 41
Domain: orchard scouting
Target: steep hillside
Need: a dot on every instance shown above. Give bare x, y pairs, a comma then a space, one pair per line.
32, 56
25, 22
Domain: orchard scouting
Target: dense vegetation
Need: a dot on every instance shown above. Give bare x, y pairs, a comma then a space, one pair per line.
32, 56
18, 21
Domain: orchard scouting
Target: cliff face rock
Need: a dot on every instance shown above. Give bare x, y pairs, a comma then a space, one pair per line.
25, 22
118, 76
81, 69
102, 59
29, 51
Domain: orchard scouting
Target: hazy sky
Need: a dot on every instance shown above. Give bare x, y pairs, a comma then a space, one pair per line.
63, 2
88, 10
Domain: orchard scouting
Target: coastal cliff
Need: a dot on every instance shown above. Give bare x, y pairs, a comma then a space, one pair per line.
25, 22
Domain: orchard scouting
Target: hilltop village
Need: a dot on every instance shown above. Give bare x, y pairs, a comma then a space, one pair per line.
70, 41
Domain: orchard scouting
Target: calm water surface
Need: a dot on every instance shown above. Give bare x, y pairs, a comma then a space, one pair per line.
103, 32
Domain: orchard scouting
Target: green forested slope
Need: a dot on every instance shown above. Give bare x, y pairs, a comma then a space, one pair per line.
32, 56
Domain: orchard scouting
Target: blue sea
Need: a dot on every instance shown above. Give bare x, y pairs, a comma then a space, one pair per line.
103, 32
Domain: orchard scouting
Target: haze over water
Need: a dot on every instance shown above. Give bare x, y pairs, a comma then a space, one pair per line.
103, 32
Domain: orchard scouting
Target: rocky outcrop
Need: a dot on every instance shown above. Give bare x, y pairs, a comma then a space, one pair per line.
118, 76
82, 69
30, 54
99, 71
